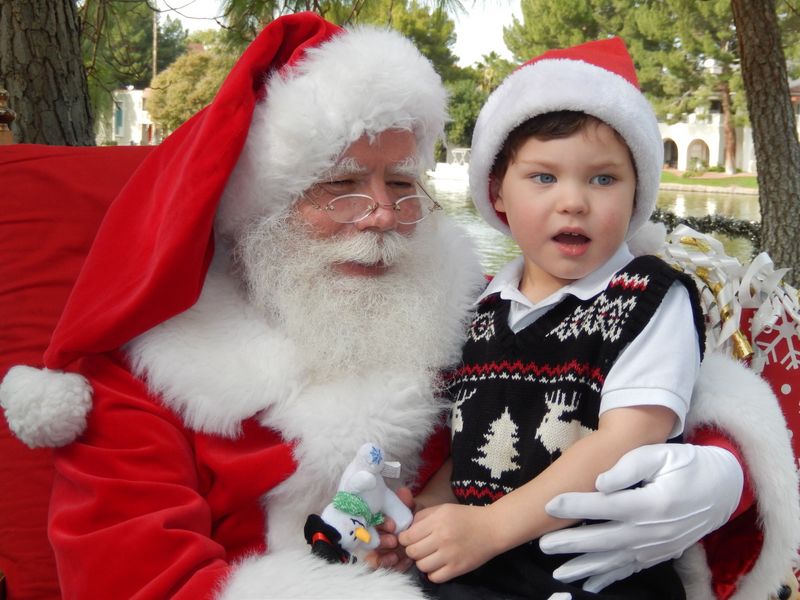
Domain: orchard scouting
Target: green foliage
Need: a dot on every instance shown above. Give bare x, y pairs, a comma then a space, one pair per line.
466, 100
426, 24
210, 39
433, 33
685, 51
186, 86
172, 39
431, 30
244, 19
489, 72
789, 19
728, 227
428, 27
468, 92
685, 178
117, 44
550, 24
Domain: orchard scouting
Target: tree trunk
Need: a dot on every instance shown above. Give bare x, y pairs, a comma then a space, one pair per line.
774, 130
42, 69
728, 129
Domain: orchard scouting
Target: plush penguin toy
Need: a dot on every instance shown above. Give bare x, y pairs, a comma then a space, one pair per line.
362, 501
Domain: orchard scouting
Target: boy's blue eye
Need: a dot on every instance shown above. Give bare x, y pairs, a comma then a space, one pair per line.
544, 178
603, 179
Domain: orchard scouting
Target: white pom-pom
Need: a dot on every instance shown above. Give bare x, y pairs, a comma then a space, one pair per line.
45, 408
650, 239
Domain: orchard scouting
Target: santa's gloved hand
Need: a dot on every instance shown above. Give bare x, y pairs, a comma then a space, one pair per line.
688, 492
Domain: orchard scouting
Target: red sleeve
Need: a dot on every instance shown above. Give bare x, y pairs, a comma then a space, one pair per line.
733, 549
127, 516
708, 436
435, 452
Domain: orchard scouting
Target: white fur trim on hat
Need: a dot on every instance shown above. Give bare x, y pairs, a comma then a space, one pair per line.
649, 239
560, 84
45, 408
363, 81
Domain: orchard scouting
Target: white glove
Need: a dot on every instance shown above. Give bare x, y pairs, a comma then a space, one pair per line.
689, 491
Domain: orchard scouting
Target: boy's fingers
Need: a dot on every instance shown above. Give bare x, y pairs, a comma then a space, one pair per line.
423, 514
413, 534
430, 564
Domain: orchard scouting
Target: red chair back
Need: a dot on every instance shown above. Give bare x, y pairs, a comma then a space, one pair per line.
52, 200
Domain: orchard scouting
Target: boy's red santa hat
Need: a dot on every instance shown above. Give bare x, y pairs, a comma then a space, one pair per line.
301, 93
597, 78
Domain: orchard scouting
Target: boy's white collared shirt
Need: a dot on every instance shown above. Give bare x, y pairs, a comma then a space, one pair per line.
654, 369
523, 312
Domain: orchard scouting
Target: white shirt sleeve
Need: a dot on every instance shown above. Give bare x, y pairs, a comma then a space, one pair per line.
661, 365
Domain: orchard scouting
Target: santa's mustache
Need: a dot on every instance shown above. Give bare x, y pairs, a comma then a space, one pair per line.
366, 247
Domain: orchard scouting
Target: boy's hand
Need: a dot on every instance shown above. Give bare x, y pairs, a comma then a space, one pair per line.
390, 554
449, 540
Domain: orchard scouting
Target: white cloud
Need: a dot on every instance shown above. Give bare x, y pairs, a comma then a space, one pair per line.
480, 30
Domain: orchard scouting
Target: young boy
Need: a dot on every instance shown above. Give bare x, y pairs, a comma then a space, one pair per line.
578, 352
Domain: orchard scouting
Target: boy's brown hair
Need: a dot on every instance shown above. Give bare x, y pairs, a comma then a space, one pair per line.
546, 126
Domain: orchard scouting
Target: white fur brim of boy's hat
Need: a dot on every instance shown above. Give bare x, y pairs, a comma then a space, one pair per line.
364, 82
597, 78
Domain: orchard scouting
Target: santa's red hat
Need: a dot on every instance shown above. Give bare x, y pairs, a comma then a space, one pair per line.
597, 78
310, 89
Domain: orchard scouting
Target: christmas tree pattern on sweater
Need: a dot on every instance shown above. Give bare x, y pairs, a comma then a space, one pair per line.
519, 400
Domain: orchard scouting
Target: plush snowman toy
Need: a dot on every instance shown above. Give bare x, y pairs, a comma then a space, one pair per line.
362, 501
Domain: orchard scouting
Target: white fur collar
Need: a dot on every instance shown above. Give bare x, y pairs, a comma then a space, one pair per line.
220, 362
217, 363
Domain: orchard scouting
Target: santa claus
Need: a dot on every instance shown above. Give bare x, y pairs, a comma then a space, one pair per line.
272, 289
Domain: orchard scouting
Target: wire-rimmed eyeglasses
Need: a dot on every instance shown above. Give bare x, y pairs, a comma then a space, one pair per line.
352, 208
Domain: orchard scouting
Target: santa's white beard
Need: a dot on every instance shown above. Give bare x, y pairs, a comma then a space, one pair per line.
346, 324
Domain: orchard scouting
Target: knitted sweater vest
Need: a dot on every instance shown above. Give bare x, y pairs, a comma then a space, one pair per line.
519, 400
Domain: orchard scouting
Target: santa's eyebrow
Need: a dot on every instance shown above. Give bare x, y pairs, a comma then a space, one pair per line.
408, 167
347, 166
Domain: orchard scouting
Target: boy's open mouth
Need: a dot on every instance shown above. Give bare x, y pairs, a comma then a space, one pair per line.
571, 238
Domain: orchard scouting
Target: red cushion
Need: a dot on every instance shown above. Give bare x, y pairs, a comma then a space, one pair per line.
51, 201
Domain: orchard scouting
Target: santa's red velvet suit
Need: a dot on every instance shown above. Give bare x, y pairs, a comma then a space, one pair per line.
196, 440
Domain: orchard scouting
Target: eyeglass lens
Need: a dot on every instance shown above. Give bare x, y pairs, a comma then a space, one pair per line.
354, 207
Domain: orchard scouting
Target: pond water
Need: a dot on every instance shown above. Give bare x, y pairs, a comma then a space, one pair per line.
496, 249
